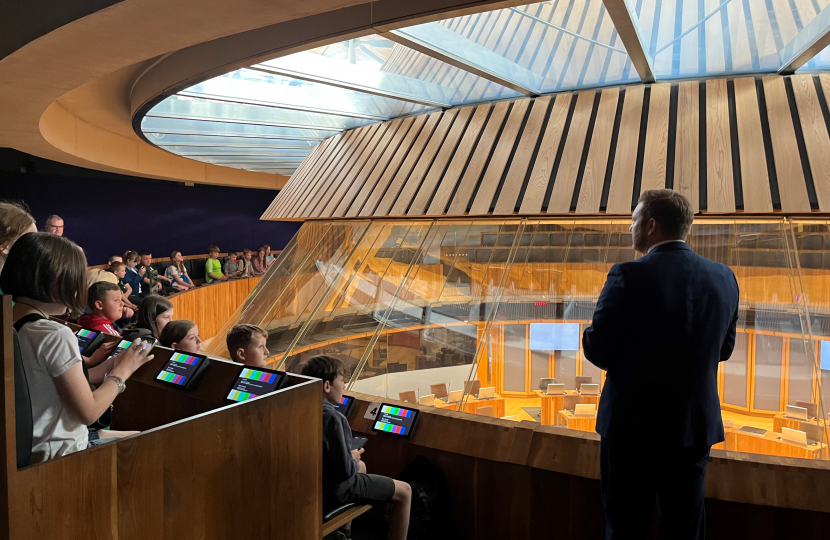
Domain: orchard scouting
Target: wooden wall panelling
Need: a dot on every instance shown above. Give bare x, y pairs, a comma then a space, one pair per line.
380, 167
296, 181
312, 180
403, 173
754, 174
498, 161
439, 164
392, 168
625, 158
459, 203
792, 186
357, 181
720, 186
210, 307
687, 145
657, 138
337, 185
563, 186
459, 160
540, 177
412, 184
291, 183
344, 180
317, 188
593, 179
815, 136
517, 172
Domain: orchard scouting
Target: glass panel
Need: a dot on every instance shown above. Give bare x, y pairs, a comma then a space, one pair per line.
218, 141
377, 65
544, 47
800, 373
768, 361
735, 373
565, 363
253, 87
191, 108
538, 367
515, 357
713, 37
189, 150
161, 127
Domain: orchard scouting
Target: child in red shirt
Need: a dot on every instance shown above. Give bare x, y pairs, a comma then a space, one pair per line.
105, 307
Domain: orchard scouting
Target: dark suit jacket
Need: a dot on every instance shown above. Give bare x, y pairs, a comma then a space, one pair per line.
662, 325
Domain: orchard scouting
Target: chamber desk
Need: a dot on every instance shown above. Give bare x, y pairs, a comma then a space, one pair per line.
781, 420
770, 444
551, 405
472, 405
582, 422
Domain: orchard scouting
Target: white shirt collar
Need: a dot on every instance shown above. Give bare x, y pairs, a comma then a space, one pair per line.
664, 242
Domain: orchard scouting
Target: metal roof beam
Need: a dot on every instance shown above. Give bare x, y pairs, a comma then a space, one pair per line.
628, 27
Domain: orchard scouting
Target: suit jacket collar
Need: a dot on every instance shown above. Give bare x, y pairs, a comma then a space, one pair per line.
671, 246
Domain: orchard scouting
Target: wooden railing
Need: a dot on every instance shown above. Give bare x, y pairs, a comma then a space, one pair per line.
203, 469
210, 306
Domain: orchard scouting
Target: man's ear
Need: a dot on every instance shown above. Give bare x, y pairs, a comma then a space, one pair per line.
653, 226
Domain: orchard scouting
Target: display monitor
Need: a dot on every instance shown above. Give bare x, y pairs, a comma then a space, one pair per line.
398, 421
89, 340
824, 355
554, 336
253, 383
345, 405
183, 369
122, 346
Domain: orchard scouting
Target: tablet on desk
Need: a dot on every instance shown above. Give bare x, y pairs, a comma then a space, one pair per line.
585, 409
555, 389
798, 413
398, 421
89, 341
345, 405
183, 369
589, 389
455, 396
253, 383
488, 392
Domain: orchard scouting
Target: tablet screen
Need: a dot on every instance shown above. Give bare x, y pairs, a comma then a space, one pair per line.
85, 337
180, 368
345, 405
252, 383
396, 420
122, 346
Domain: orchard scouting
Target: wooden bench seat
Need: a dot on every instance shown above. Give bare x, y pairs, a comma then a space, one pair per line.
340, 516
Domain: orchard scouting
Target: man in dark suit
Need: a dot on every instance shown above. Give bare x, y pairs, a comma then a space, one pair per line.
662, 324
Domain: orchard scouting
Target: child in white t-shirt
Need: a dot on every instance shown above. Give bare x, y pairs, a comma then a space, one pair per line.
45, 274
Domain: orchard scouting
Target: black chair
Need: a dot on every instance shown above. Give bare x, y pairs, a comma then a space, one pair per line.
24, 424
162, 267
198, 266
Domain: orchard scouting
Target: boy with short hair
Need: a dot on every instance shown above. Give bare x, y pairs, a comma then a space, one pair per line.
344, 473
152, 279
120, 271
232, 266
213, 268
105, 306
246, 345
247, 263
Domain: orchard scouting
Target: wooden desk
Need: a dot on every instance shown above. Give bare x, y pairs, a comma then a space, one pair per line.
551, 405
781, 420
472, 405
579, 423
769, 444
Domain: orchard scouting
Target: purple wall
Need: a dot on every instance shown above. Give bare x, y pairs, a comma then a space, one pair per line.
108, 213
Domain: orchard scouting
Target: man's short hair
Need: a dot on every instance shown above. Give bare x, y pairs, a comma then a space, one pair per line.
116, 265
99, 290
670, 209
114, 257
241, 336
53, 217
213, 249
145, 253
324, 367
232, 253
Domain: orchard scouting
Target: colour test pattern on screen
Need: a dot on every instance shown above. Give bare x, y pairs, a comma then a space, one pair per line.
85, 337
179, 368
343, 406
394, 420
252, 383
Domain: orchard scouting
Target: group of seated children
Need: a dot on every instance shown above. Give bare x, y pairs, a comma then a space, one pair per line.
247, 266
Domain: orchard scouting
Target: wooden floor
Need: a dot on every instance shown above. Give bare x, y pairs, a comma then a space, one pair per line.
514, 405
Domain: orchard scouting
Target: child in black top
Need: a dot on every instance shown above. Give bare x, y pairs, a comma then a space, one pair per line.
344, 474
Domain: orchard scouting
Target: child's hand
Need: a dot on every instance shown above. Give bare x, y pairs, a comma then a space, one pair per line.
102, 353
357, 453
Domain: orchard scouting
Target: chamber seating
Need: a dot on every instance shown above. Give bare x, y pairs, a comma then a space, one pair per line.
341, 515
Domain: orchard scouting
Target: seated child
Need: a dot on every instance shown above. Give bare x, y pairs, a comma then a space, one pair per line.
105, 306
344, 473
181, 335
233, 268
246, 345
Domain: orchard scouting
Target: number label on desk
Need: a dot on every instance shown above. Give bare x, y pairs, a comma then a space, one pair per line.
372, 411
